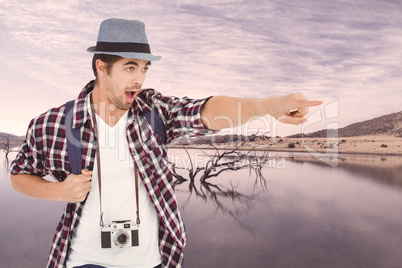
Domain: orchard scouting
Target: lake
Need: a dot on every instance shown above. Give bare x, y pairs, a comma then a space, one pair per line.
294, 211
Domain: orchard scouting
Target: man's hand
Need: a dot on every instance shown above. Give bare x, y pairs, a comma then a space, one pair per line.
290, 109
228, 112
75, 187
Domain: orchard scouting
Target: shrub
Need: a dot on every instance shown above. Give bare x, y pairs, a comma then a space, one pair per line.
291, 145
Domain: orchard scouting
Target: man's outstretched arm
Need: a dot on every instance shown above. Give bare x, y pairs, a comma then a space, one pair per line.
227, 112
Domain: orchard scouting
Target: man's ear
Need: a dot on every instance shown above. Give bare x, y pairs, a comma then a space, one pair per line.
100, 67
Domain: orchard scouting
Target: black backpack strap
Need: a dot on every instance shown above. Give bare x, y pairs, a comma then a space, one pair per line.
73, 137
155, 120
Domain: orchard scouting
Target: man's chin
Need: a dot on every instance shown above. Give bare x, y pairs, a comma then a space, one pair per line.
122, 106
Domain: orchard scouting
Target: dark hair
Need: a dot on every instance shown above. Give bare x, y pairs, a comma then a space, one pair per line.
106, 58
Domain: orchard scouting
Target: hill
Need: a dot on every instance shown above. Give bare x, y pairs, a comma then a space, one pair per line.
378, 136
13, 139
386, 125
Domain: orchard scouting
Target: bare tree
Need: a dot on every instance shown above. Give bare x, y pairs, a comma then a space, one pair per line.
218, 163
223, 161
192, 172
6, 146
227, 200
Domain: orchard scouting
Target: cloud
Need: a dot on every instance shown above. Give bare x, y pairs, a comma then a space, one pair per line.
349, 51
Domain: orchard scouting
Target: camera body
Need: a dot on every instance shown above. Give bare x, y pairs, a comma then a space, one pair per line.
119, 234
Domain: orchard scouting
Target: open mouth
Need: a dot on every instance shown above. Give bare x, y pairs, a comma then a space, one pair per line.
130, 95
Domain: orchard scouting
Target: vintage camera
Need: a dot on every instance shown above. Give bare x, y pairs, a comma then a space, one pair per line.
119, 234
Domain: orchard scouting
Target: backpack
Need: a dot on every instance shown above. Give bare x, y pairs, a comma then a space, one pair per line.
74, 151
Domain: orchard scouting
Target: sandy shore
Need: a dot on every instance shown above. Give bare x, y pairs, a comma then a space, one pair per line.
379, 145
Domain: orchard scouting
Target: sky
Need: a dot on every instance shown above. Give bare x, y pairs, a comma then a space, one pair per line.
346, 53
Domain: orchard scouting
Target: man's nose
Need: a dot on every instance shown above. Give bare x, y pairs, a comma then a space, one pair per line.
138, 78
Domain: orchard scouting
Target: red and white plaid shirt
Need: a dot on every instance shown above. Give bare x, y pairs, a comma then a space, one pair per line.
44, 152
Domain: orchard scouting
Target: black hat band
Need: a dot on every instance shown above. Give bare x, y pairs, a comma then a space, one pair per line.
122, 47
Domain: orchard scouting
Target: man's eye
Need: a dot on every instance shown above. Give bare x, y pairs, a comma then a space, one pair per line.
145, 70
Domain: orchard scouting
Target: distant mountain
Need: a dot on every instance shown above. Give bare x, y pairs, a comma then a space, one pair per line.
14, 140
389, 125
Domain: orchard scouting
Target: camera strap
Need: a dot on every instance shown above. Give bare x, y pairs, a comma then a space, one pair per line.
99, 171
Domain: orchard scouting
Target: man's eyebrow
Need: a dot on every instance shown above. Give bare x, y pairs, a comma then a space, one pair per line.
131, 63
136, 64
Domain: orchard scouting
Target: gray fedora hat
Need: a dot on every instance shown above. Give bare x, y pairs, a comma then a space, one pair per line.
124, 38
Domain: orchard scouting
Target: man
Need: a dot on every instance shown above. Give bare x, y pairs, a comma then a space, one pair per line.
117, 143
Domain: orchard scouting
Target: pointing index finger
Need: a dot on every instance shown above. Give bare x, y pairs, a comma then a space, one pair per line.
309, 103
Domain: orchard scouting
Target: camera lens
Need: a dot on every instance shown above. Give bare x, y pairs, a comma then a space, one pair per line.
122, 239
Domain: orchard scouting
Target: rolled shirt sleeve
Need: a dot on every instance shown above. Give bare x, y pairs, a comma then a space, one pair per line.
182, 116
29, 157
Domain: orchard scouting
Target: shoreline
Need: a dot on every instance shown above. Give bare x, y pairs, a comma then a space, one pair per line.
364, 145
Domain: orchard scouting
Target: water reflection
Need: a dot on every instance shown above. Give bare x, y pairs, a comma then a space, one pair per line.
309, 214
6, 164
219, 196
386, 170
282, 211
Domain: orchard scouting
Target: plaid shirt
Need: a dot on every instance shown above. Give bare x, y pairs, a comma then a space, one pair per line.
44, 152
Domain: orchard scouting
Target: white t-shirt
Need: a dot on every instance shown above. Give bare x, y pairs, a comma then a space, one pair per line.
118, 203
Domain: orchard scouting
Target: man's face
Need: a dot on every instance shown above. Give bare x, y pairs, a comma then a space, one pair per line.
124, 81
